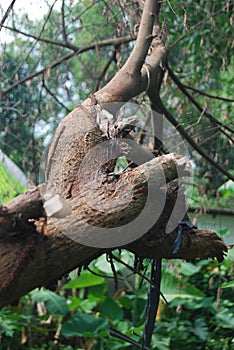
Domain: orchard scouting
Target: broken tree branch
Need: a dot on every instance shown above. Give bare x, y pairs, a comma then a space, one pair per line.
36, 249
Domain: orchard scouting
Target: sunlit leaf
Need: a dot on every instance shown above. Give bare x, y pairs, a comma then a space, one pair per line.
172, 287
86, 279
228, 284
55, 304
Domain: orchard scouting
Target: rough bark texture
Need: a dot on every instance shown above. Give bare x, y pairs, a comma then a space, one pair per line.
35, 250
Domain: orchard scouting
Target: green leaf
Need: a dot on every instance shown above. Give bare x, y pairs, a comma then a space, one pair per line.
73, 303
55, 304
87, 305
161, 344
228, 284
223, 232
188, 269
172, 287
83, 325
7, 327
9, 186
226, 317
86, 279
200, 329
105, 267
111, 309
126, 302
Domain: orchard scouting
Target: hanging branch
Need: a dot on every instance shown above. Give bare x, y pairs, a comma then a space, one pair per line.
190, 140
54, 96
209, 95
198, 106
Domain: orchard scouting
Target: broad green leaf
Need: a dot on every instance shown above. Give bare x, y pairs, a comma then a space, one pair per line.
73, 303
7, 327
200, 329
54, 303
161, 344
111, 309
98, 292
223, 232
228, 284
172, 287
188, 269
126, 301
83, 325
226, 317
105, 267
9, 186
86, 279
87, 305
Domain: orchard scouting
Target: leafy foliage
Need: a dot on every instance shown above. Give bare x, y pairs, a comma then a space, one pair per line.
199, 313
9, 187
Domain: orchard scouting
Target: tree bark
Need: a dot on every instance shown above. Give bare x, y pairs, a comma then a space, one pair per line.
34, 252
36, 249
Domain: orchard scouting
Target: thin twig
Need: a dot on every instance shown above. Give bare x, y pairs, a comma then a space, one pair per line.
190, 140
106, 42
213, 120
54, 96
109, 258
140, 274
10, 7
63, 23
101, 76
102, 275
208, 95
121, 336
35, 42
195, 26
47, 41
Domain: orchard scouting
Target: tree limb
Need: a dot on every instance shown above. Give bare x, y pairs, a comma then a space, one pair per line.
106, 42
197, 105
203, 93
144, 38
